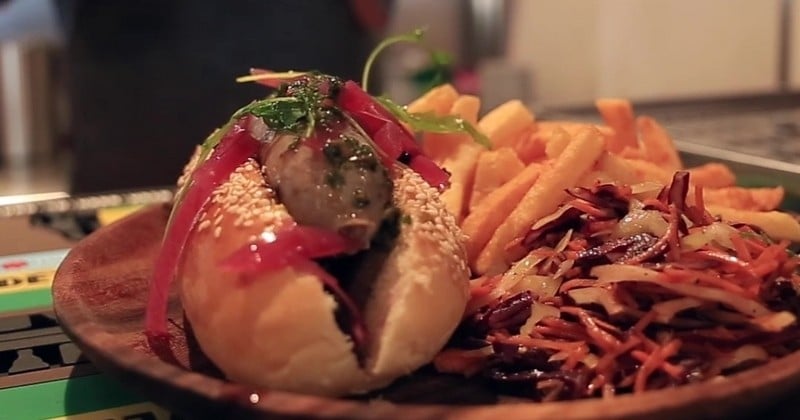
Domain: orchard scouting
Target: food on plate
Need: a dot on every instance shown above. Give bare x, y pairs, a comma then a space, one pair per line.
323, 248
312, 245
605, 266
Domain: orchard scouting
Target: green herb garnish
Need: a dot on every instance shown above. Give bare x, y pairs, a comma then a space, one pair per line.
414, 37
431, 123
280, 114
266, 76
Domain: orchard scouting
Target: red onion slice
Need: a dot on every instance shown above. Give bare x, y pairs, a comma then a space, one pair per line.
388, 134
281, 248
296, 246
434, 175
234, 149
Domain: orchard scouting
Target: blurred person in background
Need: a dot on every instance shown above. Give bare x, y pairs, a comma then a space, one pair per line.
149, 79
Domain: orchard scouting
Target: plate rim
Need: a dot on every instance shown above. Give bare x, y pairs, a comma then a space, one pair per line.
775, 379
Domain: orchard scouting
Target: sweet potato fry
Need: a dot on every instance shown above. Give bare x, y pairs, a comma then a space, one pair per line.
543, 198
482, 221
438, 100
776, 224
657, 144
494, 168
618, 114
712, 175
758, 199
506, 124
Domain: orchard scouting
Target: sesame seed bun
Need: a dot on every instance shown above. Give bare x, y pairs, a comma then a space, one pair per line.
278, 330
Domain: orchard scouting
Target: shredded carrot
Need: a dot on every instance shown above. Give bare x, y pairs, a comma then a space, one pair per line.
644, 321
740, 246
631, 349
657, 359
603, 339
576, 356
608, 358
587, 208
553, 332
543, 343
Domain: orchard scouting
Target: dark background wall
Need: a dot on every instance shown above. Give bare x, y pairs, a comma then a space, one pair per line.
149, 79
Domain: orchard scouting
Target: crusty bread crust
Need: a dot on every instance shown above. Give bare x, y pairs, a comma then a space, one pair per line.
278, 330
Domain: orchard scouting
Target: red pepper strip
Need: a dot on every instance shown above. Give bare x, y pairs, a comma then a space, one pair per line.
295, 246
234, 149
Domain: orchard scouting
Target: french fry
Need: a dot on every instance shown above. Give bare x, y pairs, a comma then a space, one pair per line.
594, 177
506, 124
461, 166
531, 148
543, 198
776, 224
494, 168
712, 175
763, 199
648, 171
546, 128
618, 114
495, 208
657, 144
619, 169
441, 147
632, 153
559, 140
438, 100
458, 153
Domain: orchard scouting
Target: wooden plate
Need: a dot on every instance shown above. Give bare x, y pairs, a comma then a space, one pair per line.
100, 292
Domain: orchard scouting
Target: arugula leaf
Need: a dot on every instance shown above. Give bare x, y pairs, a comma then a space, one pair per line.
430, 123
415, 37
283, 114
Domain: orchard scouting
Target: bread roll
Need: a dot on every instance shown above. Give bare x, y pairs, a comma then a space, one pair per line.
278, 329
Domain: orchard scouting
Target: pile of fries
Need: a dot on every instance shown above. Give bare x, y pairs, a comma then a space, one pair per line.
498, 194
